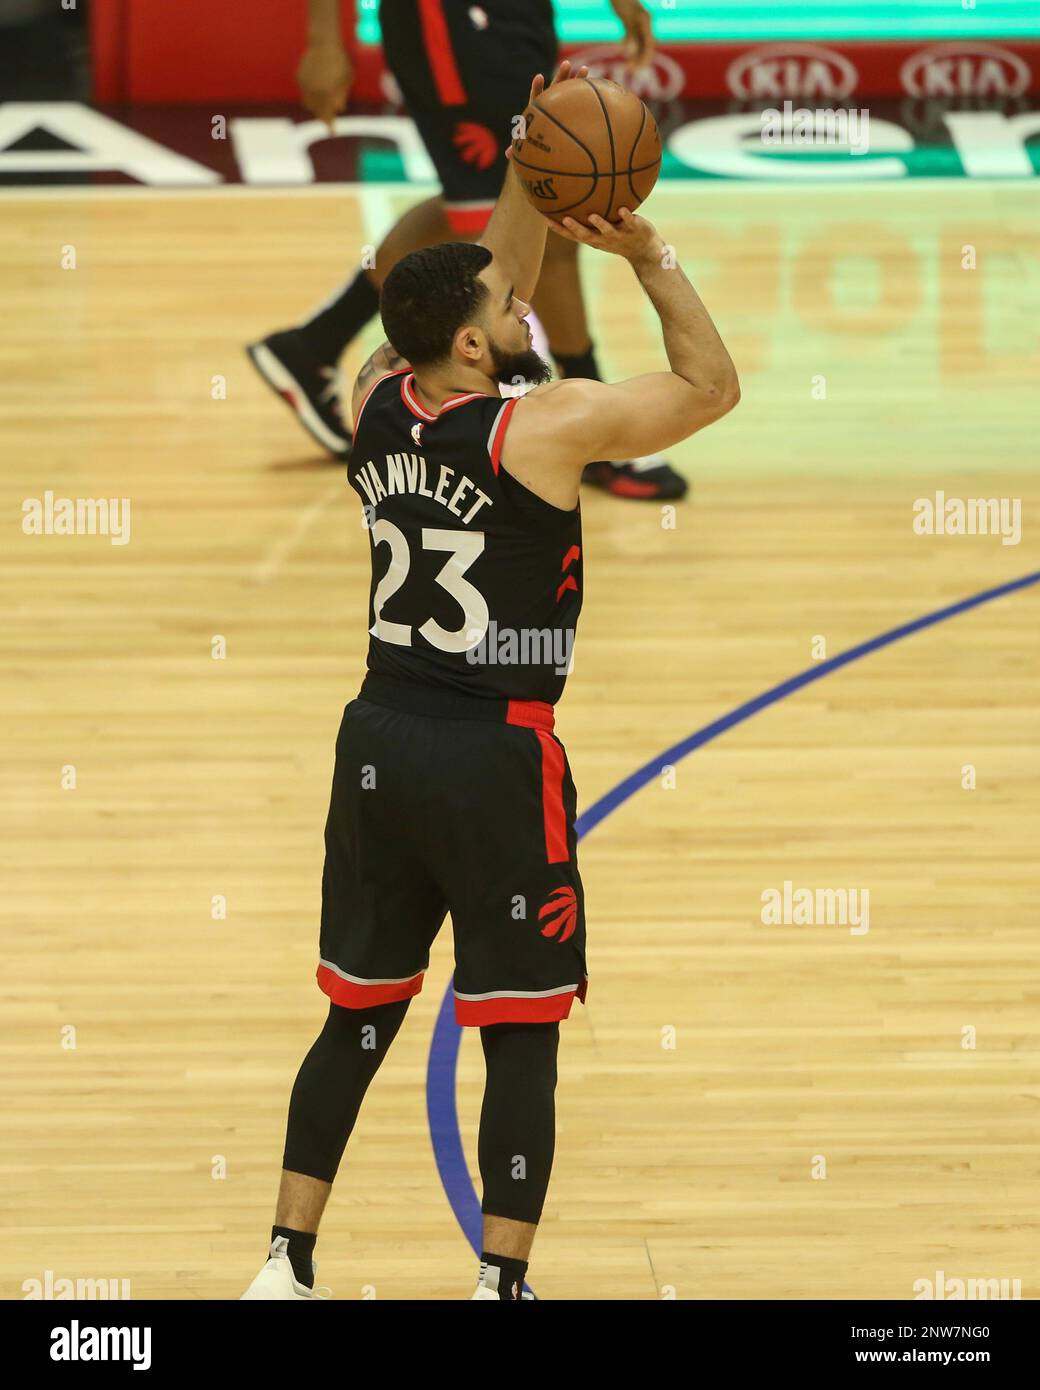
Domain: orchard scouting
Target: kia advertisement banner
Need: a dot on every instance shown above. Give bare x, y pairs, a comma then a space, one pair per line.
800, 71
151, 52
829, 71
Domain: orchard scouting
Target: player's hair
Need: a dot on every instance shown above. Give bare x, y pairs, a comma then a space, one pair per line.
429, 295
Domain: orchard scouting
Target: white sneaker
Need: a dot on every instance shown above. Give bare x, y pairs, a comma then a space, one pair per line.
276, 1279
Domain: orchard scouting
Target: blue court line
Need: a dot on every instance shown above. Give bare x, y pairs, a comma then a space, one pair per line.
447, 1034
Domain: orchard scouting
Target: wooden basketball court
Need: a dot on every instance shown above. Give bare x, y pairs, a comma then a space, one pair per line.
720, 1062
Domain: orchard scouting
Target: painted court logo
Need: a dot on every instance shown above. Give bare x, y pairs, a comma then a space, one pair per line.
561, 910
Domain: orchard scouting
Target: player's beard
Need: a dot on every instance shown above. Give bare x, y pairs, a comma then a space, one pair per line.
523, 368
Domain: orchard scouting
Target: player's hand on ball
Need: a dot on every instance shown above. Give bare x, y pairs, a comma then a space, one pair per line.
324, 77
563, 74
631, 236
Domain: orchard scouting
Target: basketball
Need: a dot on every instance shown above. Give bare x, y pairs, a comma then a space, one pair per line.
588, 146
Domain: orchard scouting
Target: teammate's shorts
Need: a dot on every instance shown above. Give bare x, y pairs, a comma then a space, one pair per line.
447, 803
465, 73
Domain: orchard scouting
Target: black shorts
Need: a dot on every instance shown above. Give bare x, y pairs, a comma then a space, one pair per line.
467, 808
465, 73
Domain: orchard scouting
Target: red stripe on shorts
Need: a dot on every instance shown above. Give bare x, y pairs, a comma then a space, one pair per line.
475, 1013
437, 42
556, 851
468, 219
350, 995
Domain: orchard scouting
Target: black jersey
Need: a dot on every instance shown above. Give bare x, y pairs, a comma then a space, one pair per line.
476, 582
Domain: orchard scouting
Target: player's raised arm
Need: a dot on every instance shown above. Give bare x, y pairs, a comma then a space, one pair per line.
515, 234
574, 421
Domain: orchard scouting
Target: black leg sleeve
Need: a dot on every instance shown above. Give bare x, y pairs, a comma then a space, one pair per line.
331, 1085
518, 1118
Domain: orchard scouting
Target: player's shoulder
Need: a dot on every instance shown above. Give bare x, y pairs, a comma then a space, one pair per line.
373, 389
383, 363
562, 388
563, 404
552, 426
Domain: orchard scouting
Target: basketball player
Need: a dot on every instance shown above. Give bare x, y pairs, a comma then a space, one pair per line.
450, 790
464, 70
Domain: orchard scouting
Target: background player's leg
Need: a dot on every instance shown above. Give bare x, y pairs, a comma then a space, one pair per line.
324, 1106
300, 363
426, 224
515, 1147
337, 323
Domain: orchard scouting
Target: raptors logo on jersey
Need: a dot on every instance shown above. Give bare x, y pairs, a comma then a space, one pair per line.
476, 582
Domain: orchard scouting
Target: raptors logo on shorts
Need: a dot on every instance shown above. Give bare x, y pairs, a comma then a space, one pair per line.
561, 911
465, 73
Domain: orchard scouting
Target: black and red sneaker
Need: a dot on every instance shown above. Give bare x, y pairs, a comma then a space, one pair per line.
310, 388
649, 479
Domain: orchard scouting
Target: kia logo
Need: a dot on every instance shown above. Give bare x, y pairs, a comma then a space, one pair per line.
661, 79
791, 70
964, 70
